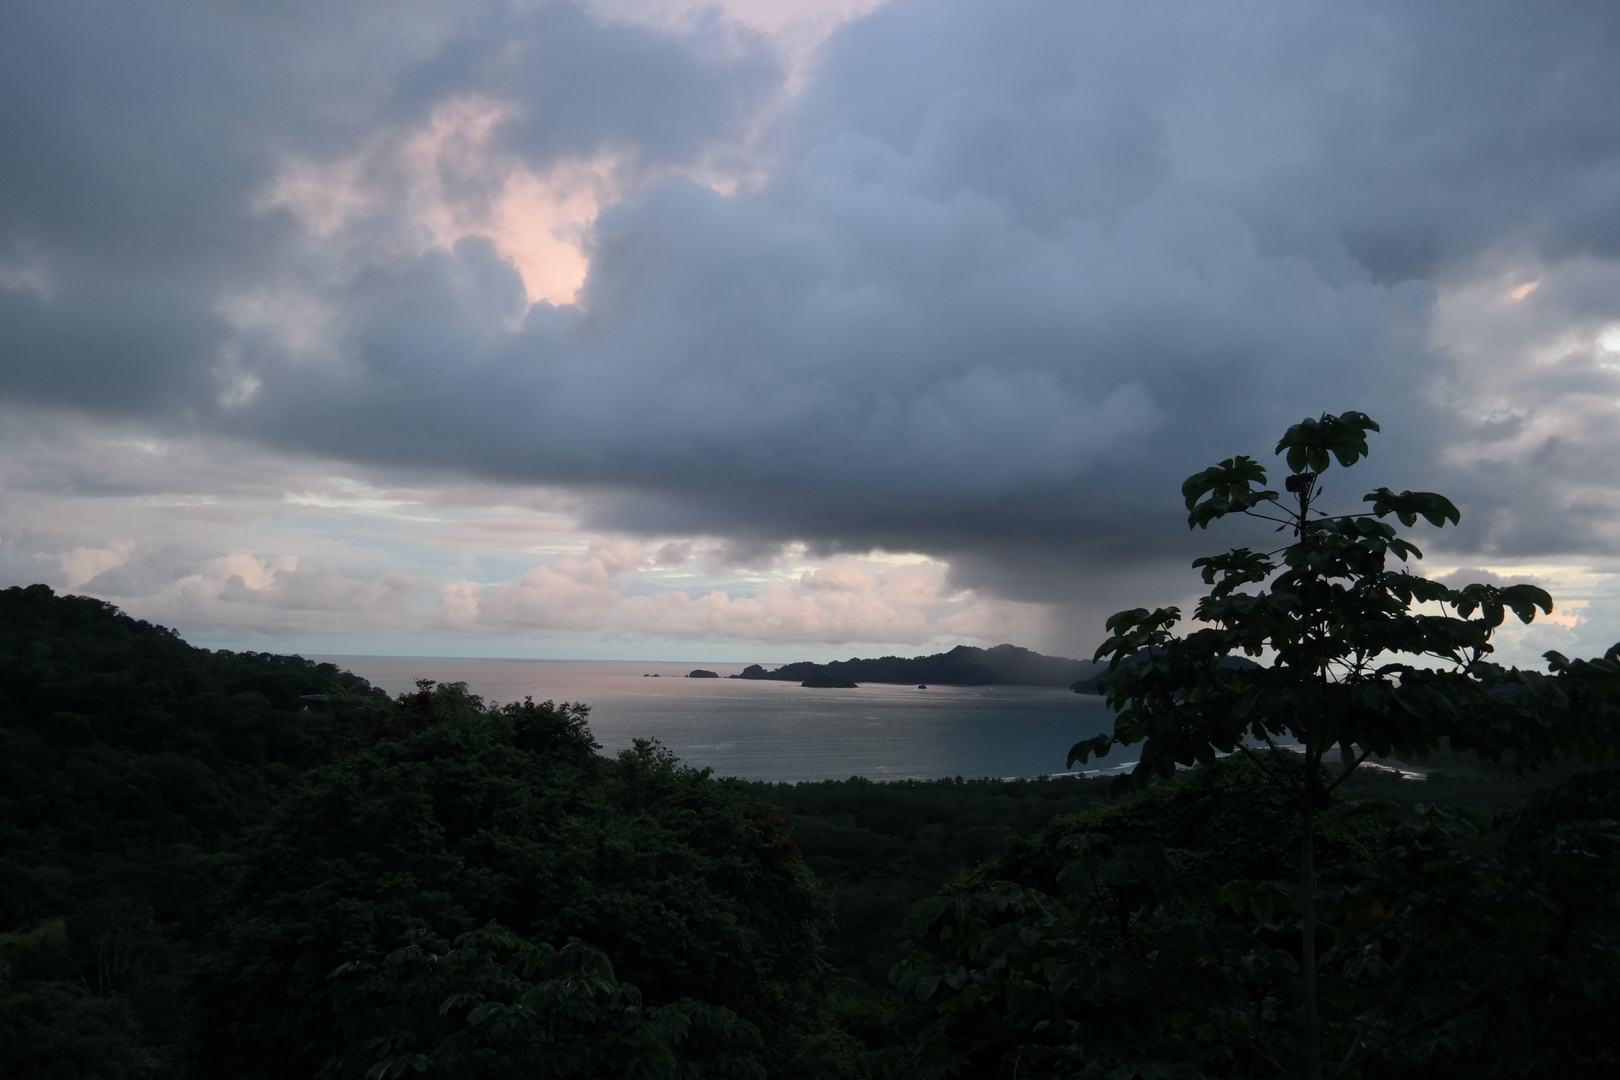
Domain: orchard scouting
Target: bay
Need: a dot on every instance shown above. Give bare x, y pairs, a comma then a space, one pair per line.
777, 731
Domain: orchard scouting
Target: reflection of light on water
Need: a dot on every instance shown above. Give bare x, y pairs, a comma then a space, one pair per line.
1078, 774
1405, 774
776, 731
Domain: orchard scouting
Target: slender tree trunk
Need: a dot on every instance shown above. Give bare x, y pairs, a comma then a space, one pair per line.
1307, 914
1307, 839
1315, 636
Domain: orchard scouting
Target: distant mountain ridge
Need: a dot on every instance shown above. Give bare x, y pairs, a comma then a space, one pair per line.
965, 665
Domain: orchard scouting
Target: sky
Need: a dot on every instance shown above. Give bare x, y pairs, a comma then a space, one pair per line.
786, 329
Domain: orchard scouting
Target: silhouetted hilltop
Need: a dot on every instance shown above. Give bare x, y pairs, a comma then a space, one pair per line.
116, 736
1004, 665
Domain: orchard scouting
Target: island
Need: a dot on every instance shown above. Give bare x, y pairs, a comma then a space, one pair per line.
965, 665
699, 673
821, 680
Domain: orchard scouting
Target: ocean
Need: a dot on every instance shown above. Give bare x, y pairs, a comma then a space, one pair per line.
779, 731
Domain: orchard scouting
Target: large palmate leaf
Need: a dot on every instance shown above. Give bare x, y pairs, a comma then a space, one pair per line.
1227, 488
1310, 444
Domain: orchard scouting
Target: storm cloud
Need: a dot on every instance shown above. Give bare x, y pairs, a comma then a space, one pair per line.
984, 283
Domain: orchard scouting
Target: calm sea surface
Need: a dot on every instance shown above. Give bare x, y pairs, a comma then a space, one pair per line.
783, 731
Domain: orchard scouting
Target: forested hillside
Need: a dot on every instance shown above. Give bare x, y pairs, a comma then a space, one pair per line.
222, 865
130, 763
194, 842
1157, 933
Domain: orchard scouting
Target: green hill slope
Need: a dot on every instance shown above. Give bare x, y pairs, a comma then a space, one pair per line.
129, 763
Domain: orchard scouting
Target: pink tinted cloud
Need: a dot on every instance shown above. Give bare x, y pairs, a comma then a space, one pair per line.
846, 600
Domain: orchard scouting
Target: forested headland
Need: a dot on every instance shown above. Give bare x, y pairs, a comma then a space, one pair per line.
965, 665
242, 865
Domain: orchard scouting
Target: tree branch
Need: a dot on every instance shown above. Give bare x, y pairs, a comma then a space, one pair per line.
1412, 1029
1398, 969
1266, 735
1346, 774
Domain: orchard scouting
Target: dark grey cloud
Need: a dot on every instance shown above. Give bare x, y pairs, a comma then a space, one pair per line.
584, 84
139, 145
993, 283
1487, 123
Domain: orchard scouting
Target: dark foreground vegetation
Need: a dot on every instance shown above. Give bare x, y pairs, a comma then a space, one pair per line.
206, 872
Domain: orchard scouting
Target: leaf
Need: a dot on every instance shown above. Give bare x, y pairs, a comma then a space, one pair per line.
1229, 487
1525, 599
1491, 600
1082, 752
1408, 506
1312, 444
1235, 473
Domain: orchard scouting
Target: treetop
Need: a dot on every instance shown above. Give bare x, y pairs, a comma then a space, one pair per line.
1311, 443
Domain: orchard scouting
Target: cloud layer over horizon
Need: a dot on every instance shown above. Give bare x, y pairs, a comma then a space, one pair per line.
970, 284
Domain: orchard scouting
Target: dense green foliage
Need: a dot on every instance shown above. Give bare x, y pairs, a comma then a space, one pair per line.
881, 847
505, 825
236, 865
195, 843
1157, 936
118, 741
128, 763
